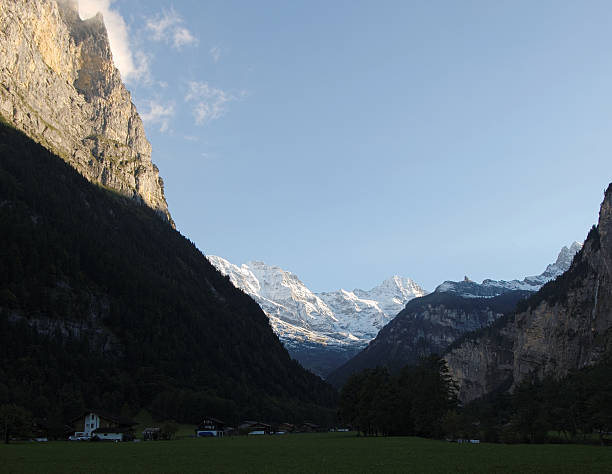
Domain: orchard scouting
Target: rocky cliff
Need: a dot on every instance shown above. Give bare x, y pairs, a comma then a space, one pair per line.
58, 84
427, 325
566, 325
430, 324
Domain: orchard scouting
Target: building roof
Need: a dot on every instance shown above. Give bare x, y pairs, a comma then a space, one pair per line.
120, 420
214, 420
253, 423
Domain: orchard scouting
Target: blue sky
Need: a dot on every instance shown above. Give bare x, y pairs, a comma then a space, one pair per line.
347, 141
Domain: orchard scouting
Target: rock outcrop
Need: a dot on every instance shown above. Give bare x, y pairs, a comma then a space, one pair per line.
567, 325
427, 325
58, 84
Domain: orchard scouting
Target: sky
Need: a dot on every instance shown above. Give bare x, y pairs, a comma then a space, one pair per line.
349, 141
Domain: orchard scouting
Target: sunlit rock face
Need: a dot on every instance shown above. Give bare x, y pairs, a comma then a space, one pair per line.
58, 84
567, 325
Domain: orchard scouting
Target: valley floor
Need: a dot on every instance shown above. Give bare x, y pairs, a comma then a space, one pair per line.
302, 453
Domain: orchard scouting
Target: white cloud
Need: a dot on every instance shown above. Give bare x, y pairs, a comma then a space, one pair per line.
208, 103
160, 25
158, 114
183, 36
215, 52
168, 28
133, 65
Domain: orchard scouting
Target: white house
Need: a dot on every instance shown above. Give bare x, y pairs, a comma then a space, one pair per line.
103, 425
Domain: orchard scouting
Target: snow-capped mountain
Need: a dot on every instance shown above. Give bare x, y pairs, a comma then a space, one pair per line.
280, 294
490, 288
339, 322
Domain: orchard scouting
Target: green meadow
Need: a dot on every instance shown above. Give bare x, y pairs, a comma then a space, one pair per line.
301, 453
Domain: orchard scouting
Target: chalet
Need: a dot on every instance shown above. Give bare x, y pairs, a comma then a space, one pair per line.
210, 427
103, 425
254, 427
285, 428
310, 428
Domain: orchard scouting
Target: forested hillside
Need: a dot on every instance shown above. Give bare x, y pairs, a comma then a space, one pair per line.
104, 304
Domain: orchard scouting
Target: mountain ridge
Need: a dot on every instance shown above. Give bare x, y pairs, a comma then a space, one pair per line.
431, 323
337, 323
488, 288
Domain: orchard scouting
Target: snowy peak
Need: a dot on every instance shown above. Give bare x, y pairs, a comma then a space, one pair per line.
396, 285
564, 260
339, 318
490, 288
392, 294
241, 277
279, 293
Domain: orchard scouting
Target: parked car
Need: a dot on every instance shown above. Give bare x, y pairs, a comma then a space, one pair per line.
79, 436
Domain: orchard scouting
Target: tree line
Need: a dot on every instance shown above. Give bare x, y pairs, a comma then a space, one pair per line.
414, 401
421, 400
576, 408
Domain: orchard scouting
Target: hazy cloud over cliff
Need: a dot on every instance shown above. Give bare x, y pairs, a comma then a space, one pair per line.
140, 42
133, 65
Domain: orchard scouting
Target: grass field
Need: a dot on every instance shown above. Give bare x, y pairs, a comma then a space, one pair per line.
304, 453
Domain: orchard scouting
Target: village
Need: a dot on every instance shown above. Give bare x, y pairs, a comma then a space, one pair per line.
100, 425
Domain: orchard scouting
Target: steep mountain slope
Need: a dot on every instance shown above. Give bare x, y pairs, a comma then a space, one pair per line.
320, 330
565, 326
430, 324
59, 85
104, 304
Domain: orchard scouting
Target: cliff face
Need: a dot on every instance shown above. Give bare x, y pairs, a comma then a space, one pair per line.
566, 325
58, 84
483, 362
427, 325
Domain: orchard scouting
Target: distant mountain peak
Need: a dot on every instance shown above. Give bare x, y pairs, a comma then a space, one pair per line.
336, 320
491, 288
566, 255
